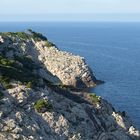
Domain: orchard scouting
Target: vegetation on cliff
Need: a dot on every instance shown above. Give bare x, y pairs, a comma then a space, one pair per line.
19, 69
24, 35
43, 105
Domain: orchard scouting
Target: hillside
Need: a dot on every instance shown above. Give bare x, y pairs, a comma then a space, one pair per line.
38, 98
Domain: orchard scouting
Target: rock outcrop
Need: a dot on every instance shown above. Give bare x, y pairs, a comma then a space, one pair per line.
68, 120
70, 69
35, 105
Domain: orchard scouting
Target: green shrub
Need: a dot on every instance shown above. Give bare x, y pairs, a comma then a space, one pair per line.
21, 35
94, 98
5, 82
11, 70
24, 36
29, 84
43, 105
21, 75
62, 86
49, 44
8, 62
36, 36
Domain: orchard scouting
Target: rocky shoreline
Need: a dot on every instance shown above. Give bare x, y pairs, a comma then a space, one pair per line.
36, 103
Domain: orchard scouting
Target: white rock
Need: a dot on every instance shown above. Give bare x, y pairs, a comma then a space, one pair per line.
1, 39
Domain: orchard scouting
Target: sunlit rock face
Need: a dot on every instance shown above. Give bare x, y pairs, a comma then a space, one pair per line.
70, 69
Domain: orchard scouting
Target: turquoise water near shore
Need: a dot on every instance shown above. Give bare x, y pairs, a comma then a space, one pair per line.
112, 50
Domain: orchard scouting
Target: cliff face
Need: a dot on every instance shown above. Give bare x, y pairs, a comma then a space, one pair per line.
69, 69
35, 103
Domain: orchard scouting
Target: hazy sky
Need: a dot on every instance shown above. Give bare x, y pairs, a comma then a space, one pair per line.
70, 10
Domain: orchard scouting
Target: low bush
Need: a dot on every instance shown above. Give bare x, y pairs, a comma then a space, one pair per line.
43, 105
21, 35
36, 36
5, 82
29, 85
49, 44
94, 98
11, 70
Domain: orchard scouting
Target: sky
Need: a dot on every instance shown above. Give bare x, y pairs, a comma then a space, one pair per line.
70, 10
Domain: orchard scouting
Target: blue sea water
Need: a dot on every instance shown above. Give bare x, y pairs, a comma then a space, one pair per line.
112, 50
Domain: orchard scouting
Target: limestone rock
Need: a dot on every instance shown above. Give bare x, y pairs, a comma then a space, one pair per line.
73, 116
68, 120
70, 69
1, 40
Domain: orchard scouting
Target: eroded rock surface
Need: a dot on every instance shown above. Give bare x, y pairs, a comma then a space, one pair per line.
68, 119
69, 68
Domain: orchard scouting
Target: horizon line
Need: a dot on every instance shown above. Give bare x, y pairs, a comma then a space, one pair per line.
74, 21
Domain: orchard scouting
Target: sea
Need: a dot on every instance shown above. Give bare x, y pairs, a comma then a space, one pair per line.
111, 49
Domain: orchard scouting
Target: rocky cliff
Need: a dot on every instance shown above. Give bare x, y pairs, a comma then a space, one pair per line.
71, 70
36, 101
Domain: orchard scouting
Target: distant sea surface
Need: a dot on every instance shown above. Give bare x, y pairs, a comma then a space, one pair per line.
112, 50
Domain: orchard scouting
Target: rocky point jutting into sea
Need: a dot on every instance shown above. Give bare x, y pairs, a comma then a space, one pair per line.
38, 100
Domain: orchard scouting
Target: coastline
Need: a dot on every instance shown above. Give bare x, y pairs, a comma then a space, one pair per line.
90, 116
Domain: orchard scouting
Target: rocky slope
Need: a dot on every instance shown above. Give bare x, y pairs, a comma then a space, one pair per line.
69, 69
36, 102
